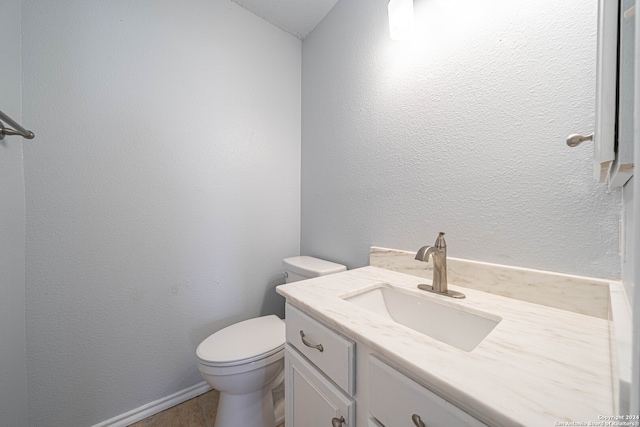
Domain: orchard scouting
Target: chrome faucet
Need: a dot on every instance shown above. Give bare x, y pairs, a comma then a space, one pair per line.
437, 252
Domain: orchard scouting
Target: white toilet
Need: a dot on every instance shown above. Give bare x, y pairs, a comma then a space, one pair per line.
245, 361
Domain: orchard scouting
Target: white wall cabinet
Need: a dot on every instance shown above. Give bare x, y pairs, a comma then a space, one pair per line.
347, 384
613, 139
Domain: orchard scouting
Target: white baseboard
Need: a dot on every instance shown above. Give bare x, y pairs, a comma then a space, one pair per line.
144, 411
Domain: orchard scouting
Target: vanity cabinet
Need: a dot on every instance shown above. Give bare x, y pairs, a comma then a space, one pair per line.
328, 386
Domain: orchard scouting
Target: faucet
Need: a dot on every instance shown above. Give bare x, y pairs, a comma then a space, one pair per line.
437, 252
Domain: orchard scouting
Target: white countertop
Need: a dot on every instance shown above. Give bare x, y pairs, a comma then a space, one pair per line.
540, 365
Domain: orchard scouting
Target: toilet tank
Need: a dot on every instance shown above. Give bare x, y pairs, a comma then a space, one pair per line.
305, 267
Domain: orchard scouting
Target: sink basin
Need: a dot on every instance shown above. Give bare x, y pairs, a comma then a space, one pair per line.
451, 324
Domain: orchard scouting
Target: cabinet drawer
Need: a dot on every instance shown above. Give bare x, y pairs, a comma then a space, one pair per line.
394, 399
336, 359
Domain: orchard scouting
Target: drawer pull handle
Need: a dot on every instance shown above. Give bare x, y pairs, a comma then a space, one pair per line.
417, 421
335, 422
308, 344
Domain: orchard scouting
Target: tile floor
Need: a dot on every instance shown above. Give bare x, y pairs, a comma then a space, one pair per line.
197, 412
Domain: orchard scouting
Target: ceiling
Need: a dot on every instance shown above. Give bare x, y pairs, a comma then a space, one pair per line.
296, 17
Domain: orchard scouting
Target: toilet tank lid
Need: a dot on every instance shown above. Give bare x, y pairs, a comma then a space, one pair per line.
311, 267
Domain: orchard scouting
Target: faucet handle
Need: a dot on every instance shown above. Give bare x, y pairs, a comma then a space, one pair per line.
440, 243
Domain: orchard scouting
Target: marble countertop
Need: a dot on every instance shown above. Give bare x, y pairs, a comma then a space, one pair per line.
540, 365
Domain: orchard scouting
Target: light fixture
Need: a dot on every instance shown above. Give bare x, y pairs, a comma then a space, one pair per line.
401, 20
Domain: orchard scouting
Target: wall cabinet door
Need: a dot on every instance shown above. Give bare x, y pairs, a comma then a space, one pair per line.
615, 111
622, 167
312, 400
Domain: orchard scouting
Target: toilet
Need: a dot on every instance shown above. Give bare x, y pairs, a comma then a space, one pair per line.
245, 361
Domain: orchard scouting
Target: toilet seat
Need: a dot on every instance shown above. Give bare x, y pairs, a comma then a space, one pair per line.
240, 367
243, 343
254, 359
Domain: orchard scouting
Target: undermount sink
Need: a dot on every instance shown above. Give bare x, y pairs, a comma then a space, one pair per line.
451, 324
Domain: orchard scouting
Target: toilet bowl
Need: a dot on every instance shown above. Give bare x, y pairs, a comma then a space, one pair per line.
245, 361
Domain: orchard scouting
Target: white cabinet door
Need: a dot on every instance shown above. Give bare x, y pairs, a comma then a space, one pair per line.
606, 92
622, 167
615, 111
312, 400
397, 401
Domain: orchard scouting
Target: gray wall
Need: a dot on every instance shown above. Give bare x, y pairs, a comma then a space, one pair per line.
460, 130
628, 253
162, 193
13, 370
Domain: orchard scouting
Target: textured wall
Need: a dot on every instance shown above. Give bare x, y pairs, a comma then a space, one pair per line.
628, 256
460, 130
13, 369
162, 192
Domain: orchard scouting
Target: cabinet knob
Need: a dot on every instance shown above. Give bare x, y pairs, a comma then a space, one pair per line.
577, 139
335, 422
417, 421
308, 344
